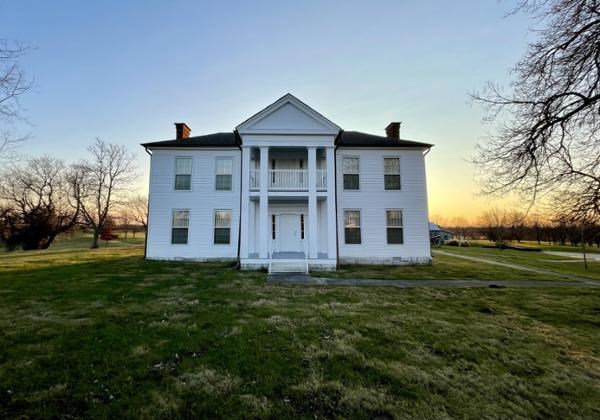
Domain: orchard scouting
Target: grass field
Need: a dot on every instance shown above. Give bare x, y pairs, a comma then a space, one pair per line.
84, 240
104, 333
538, 260
443, 267
544, 245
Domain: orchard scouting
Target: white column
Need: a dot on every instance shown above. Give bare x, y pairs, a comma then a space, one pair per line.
263, 216
313, 248
331, 216
245, 204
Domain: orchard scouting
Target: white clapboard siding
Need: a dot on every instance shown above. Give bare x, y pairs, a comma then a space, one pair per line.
202, 200
372, 200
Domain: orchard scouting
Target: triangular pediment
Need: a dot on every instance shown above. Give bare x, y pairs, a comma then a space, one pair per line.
288, 115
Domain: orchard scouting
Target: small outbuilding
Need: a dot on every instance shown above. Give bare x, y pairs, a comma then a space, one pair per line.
435, 231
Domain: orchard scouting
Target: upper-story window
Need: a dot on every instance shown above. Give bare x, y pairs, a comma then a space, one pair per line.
351, 168
391, 168
395, 229
183, 173
224, 175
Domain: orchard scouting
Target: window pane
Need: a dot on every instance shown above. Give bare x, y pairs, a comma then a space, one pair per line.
394, 218
181, 218
391, 166
352, 219
183, 166
351, 182
183, 182
392, 182
352, 235
224, 166
223, 218
224, 182
222, 235
395, 236
350, 165
179, 236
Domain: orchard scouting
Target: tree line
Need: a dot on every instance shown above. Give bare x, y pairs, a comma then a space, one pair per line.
41, 198
501, 225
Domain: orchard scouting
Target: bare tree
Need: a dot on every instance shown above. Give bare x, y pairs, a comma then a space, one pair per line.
35, 200
494, 222
133, 215
101, 184
138, 207
547, 142
13, 84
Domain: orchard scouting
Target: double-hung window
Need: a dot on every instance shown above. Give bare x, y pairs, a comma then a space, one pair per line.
180, 226
391, 167
183, 173
395, 231
350, 167
352, 226
224, 174
222, 227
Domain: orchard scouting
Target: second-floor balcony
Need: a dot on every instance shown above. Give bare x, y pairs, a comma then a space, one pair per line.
288, 179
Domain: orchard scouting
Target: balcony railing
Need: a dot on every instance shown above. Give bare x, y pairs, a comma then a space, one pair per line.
288, 179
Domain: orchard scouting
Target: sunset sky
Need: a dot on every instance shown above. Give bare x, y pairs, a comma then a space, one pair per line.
126, 70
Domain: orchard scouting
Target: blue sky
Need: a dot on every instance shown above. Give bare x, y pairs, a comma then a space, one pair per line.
126, 70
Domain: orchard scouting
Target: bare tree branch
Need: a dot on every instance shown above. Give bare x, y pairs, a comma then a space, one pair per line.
13, 84
546, 142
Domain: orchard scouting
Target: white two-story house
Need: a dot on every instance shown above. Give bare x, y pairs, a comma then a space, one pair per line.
289, 190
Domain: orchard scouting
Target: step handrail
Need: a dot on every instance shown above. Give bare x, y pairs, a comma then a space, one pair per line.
305, 256
270, 254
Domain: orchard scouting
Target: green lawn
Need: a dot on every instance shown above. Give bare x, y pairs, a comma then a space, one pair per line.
84, 240
103, 333
443, 267
538, 260
543, 245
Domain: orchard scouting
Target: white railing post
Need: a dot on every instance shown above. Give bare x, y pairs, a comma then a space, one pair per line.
289, 179
322, 179
254, 179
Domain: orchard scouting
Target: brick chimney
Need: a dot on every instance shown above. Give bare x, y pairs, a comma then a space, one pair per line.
182, 131
392, 131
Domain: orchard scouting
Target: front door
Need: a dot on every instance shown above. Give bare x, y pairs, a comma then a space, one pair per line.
289, 233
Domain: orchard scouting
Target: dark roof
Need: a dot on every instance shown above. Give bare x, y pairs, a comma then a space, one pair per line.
210, 140
358, 139
344, 139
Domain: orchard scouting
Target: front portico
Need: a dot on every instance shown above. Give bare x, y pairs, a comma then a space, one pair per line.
288, 197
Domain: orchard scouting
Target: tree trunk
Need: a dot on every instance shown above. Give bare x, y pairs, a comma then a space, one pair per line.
95, 239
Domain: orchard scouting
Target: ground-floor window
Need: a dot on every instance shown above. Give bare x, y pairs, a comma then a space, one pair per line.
179, 226
352, 226
301, 226
395, 231
273, 227
222, 226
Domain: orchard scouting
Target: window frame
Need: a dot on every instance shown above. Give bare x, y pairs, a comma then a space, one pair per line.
387, 227
187, 240
191, 174
217, 158
399, 174
344, 173
215, 227
359, 227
